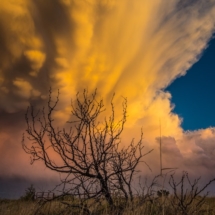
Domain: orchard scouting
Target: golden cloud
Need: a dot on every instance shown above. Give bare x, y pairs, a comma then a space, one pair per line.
134, 48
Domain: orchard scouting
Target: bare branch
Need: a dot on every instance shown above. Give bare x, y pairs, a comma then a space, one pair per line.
89, 152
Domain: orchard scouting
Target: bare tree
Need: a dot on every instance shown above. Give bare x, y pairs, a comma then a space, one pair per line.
89, 152
188, 197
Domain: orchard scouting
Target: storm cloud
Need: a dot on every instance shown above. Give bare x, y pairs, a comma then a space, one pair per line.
133, 48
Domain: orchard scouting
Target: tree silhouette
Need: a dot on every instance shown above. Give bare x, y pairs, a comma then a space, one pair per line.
89, 152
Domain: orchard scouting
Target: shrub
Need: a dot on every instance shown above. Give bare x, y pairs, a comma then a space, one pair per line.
29, 194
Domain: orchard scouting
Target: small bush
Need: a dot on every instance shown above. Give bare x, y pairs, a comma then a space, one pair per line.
29, 194
161, 193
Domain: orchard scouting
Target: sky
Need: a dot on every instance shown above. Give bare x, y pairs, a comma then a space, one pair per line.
191, 93
153, 53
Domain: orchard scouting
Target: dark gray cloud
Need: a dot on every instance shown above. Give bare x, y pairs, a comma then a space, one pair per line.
14, 186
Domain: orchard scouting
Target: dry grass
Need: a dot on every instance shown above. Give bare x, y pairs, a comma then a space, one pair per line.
18, 207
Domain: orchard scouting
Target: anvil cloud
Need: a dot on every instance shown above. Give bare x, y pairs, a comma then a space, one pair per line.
133, 48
